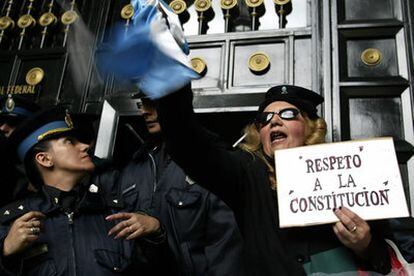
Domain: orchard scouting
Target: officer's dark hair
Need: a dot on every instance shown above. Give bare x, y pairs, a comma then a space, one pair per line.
30, 163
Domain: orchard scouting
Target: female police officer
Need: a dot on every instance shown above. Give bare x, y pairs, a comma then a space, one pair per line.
70, 226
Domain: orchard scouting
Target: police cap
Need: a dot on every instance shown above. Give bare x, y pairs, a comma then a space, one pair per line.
48, 124
304, 99
14, 109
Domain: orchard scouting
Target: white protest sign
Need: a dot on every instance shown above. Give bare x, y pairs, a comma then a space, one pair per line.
361, 175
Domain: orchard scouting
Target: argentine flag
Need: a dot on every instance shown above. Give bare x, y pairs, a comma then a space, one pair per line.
153, 53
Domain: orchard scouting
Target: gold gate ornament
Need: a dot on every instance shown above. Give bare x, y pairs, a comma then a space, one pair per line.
258, 62
253, 3
281, 2
69, 17
127, 12
26, 21
371, 56
178, 6
202, 5
35, 76
199, 65
228, 4
6, 22
47, 19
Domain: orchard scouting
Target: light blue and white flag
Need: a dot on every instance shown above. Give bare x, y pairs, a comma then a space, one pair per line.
153, 53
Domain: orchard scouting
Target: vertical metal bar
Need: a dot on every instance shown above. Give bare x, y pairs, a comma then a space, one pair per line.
67, 27
226, 21
254, 15
126, 26
23, 32
200, 22
291, 62
44, 31
127, 18
8, 10
281, 17
65, 37
335, 95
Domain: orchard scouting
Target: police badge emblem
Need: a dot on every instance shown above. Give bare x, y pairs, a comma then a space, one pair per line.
10, 104
68, 120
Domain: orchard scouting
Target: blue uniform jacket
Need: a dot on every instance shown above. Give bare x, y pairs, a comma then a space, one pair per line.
78, 244
202, 231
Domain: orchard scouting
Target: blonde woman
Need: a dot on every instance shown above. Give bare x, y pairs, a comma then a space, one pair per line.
244, 178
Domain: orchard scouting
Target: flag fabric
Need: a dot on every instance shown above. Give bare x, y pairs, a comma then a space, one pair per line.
153, 52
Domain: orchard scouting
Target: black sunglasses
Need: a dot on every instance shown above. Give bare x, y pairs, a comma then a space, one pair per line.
287, 114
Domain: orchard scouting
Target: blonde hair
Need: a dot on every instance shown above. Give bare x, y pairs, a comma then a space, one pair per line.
315, 131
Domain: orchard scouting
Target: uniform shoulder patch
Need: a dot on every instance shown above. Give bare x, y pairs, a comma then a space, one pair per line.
189, 180
12, 211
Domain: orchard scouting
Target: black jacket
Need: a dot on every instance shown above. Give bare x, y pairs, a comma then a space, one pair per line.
13, 178
241, 180
403, 236
202, 231
78, 244
7, 173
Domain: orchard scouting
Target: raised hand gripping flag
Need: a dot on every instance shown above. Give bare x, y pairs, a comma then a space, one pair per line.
153, 53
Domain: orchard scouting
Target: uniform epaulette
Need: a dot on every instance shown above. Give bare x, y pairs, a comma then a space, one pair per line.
189, 180
12, 211
110, 200
114, 201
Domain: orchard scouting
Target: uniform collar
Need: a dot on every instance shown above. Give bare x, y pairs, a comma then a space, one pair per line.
82, 197
68, 201
91, 198
148, 148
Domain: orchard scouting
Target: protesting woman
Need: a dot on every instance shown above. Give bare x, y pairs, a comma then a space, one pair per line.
244, 178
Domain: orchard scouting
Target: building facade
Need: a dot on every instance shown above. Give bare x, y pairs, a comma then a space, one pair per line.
357, 54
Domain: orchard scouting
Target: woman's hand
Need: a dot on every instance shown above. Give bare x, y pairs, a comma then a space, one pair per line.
352, 231
23, 232
133, 225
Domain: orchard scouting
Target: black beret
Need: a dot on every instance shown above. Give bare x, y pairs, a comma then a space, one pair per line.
304, 99
16, 107
45, 125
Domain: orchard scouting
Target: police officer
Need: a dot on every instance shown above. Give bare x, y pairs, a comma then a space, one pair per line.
13, 111
74, 224
201, 229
